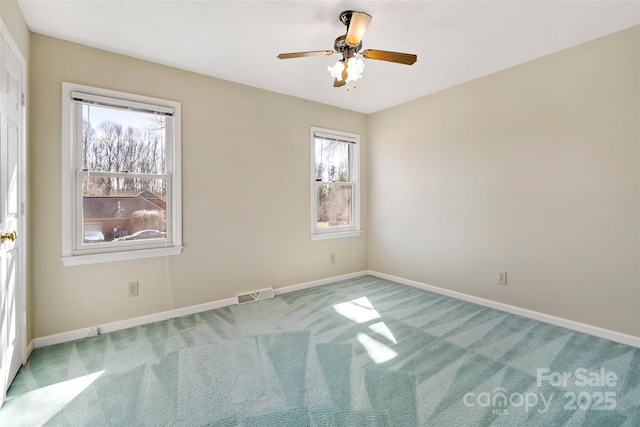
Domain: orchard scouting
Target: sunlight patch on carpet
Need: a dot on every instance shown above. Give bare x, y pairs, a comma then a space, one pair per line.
377, 351
49, 400
359, 310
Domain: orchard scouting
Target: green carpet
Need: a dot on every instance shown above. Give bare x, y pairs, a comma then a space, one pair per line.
361, 352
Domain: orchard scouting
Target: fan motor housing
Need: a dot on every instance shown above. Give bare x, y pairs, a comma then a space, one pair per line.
344, 49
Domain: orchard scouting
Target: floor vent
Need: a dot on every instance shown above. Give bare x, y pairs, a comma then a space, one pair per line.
256, 295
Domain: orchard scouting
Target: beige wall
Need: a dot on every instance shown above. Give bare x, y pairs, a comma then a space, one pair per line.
534, 170
246, 202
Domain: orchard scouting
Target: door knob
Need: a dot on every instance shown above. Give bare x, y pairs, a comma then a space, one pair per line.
8, 236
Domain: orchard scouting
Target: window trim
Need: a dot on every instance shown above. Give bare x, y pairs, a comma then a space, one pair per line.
71, 211
352, 230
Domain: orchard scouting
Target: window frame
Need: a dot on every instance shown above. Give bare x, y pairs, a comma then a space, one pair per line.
353, 230
74, 252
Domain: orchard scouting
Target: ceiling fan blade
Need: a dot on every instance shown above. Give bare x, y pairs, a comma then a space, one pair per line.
385, 55
305, 54
357, 26
339, 83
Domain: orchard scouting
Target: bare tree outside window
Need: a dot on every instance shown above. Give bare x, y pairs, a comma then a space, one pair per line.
132, 142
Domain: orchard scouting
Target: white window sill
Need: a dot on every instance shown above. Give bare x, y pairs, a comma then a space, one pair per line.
335, 235
69, 261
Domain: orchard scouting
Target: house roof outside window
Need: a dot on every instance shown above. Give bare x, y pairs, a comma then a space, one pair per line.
120, 207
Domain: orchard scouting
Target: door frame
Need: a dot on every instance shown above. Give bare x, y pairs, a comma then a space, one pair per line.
21, 294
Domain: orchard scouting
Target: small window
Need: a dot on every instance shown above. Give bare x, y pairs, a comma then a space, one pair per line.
121, 176
334, 184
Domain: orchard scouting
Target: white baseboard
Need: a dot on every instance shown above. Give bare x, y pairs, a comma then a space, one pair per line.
185, 311
320, 282
64, 337
172, 314
547, 318
164, 315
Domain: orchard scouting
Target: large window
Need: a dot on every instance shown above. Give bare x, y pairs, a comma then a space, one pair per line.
334, 184
120, 177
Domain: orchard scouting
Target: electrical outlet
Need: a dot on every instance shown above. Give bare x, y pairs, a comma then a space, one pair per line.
332, 258
133, 289
502, 278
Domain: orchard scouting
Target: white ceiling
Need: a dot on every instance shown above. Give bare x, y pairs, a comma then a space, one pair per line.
455, 41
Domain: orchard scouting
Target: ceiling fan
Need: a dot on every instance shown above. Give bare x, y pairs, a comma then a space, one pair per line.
350, 67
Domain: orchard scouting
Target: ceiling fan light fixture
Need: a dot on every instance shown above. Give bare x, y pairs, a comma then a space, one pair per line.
349, 71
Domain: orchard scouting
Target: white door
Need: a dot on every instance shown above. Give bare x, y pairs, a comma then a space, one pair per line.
11, 307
